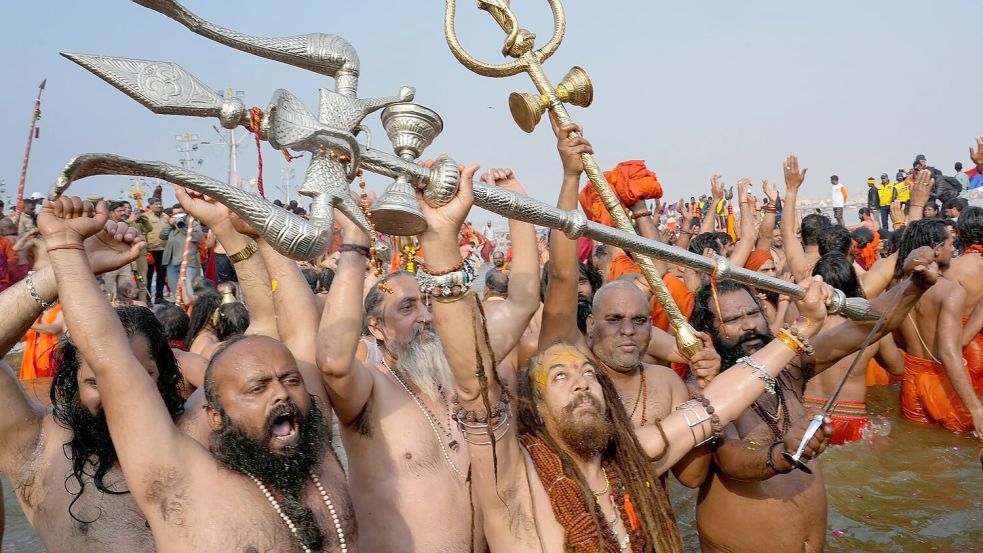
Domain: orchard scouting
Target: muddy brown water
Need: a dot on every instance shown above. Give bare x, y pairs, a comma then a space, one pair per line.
906, 489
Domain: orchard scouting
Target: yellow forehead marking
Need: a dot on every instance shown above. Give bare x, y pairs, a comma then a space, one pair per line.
561, 356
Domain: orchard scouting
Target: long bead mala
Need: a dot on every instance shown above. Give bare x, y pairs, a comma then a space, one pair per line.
290, 524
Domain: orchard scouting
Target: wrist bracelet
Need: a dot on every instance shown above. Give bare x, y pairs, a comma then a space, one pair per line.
244, 253
431, 272
771, 385
784, 338
69, 246
799, 338
29, 282
643, 213
357, 248
771, 459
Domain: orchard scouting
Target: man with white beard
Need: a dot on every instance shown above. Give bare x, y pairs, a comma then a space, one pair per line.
408, 471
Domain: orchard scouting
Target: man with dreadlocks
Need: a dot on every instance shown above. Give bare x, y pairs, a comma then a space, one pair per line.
751, 486
618, 330
268, 476
936, 387
62, 464
560, 468
409, 472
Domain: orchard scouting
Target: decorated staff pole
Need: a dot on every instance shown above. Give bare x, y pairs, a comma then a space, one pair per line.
527, 109
27, 154
183, 273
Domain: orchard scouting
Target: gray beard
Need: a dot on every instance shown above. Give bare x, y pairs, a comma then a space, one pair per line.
422, 362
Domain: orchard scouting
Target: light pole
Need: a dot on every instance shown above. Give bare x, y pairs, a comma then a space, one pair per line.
188, 147
230, 141
287, 182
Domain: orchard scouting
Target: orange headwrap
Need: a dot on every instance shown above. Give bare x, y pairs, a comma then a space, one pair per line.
757, 259
630, 180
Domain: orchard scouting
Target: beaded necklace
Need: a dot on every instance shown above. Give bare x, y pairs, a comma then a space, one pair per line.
432, 419
290, 524
781, 410
641, 398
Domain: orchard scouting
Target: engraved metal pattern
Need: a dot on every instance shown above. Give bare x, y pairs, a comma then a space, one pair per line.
411, 128
326, 54
162, 87
575, 224
289, 234
530, 62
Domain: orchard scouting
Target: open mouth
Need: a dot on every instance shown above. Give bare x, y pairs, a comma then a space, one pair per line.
284, 428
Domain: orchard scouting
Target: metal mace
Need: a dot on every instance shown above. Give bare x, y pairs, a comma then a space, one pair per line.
527, 110
296, 237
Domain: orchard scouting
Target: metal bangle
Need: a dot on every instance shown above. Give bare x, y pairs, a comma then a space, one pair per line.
758, 369
244, 253
771, 459
689, 408
29, 282
468, 429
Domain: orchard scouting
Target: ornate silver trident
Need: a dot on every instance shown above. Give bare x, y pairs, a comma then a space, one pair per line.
337, 157
527, 109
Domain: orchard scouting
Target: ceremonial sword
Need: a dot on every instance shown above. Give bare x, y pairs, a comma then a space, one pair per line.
817, 420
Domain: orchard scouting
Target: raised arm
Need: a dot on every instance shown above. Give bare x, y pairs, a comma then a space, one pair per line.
709, 223
879, 276
766, 231
648, 227
842, 340
348, 382
254, 281
503, 494
731, 392
795, 255
145, 437
745, 244
686, 223
560, 307
508, 320
921, 191
296, 315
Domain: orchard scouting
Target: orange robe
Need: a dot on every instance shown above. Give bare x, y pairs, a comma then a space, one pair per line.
877, 376
38, 361
928, 396
850, 419
973, 354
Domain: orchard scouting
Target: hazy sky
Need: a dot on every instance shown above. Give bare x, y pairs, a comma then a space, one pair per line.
693, 88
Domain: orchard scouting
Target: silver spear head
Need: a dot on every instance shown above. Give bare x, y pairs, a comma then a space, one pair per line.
163, 87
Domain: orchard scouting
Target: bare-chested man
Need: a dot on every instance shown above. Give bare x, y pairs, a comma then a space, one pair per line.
270, 479
567, 472
936, 387
62, 464
752, 487
619, 326
408, 467
850, 418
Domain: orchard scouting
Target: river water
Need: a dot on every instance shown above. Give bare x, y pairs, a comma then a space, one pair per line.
909, 489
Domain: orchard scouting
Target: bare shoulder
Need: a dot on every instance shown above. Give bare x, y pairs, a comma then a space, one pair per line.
664, 375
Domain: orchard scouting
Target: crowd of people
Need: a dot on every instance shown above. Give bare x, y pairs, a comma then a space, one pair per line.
197, 376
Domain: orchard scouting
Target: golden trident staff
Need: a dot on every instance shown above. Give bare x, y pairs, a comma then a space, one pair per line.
527, 109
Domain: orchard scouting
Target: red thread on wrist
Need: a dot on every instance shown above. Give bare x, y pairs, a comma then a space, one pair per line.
67, 247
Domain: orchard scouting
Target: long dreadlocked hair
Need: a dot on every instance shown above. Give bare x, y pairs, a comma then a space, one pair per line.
68, 412
623, 452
